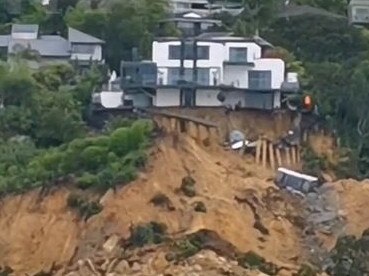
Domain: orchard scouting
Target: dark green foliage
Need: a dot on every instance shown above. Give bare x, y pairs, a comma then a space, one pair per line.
185, 249
350, 256
251, 260
87, 180
188, 186
98, 162
85, 208
313, 164
150, 233
200, 207
306, 270
162, 200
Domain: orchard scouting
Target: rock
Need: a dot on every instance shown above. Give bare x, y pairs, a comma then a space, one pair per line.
73, 273
136, 267
106, 197
111, 243
160, 263
197, 268
122, 268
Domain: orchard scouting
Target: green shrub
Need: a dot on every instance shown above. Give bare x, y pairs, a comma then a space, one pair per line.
150, 233
188, 186
93, 157
87, 180
306, 270
85, 208
185, 249
101, 161
200, 207
250, 260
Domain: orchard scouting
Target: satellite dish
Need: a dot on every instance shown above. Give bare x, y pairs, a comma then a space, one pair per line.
221, 97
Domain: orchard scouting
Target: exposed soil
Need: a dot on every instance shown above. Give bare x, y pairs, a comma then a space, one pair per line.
242, 207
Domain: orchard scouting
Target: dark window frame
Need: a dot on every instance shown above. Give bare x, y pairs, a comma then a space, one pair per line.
235, 57
260, 79
203, 52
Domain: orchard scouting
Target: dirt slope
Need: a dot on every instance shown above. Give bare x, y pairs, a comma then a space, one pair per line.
37, 234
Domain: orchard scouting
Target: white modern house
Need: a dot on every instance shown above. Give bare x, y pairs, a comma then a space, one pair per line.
207, 69
230, 64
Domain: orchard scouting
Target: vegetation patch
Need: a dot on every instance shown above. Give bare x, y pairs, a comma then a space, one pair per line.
162, 200
188, 186
306, 270
150, 233
84, 207
200, 207
350, 256
251, 260
97, 162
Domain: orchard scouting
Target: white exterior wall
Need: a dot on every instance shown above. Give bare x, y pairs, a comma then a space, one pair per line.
207, 97
160, 55
236, 75
24, 35
227, 74
253, 50
96, 56
276, 66
167, 97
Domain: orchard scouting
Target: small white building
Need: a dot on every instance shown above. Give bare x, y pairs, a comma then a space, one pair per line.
205, 7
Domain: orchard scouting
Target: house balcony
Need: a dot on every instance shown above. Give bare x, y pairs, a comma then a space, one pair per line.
238, 63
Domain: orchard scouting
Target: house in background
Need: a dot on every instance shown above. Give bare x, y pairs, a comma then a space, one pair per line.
79, 47
208, 69
205, 7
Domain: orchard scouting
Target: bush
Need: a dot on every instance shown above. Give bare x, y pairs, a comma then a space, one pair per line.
85, 208
87, 180
152, 232
188, 186
162, 200
185, 249
101, 161
200, 207
306, 270
250, 260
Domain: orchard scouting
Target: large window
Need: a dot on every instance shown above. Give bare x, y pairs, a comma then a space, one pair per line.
83, 49
203, 75
238, 54
260, 80
202, 52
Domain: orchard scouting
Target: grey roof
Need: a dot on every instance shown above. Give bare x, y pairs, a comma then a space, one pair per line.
24, 28
75, 36
300, 10
4, 40
46, 47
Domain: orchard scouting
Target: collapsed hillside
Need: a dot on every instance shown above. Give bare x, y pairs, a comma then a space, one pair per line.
240, 206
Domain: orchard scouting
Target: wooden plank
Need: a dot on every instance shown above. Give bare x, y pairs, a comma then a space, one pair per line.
271, 156
287, 156
293, 155
264, 150
258, 151
278, 155
183, 117
298, 157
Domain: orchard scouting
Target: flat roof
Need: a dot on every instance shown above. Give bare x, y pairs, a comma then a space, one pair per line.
299, 175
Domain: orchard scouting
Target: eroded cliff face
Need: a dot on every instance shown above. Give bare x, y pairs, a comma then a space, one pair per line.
242, 207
